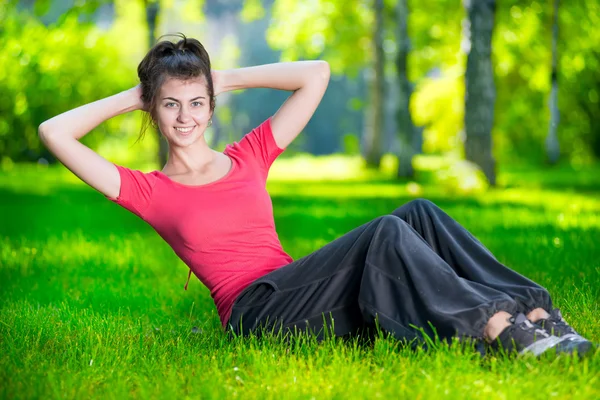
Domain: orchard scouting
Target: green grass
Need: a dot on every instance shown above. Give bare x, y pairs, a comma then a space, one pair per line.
92, 301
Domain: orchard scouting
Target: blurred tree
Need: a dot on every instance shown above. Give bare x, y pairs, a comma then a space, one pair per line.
352, 37
341, 33
436, 66
287, 24
152, 8
523, 61
40, 77
373, 134
552, 145
409, 135
480, 91
51, 11
349, 35
579, 77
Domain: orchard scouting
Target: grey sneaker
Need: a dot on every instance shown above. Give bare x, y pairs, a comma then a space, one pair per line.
556, 325
525, 337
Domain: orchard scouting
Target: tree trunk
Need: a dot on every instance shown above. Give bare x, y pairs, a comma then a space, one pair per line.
552, 145
480, 92
409, 143
373, 138
152, 9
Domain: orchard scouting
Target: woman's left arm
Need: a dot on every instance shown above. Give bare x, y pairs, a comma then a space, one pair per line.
307, 79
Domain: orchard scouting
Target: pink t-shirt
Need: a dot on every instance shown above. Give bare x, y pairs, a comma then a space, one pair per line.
224, 231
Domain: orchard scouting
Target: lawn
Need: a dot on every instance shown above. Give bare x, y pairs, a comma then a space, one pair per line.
92, 301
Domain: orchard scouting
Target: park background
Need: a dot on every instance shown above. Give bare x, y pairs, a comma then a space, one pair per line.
491, 109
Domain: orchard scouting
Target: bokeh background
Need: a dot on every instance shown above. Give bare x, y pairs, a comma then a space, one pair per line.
398, 91
488, 108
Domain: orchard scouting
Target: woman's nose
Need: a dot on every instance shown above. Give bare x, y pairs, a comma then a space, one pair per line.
184, 115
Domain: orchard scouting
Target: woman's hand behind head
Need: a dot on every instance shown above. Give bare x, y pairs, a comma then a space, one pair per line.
217, 82
136, 93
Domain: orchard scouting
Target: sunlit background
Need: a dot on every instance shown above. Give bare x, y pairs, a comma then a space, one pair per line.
57, 55
492, 113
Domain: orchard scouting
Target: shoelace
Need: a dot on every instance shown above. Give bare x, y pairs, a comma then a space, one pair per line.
557, 318
533, 328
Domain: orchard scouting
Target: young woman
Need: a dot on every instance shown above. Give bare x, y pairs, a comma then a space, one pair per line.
413, 271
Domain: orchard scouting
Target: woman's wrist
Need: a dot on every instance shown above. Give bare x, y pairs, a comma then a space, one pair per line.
133, 99
224, 81
77, 122
283, 76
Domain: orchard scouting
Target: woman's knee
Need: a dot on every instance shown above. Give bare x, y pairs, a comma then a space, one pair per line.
416, 205
390, 222
390, 226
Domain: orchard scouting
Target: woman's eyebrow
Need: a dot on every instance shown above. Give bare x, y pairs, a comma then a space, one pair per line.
174, 99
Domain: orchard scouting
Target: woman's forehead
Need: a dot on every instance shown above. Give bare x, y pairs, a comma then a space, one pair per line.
173, 87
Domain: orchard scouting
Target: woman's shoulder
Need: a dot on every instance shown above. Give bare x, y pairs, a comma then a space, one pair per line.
136, 189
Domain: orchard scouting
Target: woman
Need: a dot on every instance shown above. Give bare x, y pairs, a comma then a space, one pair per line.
412, 270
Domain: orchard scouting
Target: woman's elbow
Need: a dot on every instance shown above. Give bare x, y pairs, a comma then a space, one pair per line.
43, 131
324, 70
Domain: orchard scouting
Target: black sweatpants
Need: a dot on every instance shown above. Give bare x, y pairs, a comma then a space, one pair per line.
412, 268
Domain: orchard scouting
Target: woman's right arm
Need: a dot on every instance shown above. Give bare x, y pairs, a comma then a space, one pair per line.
61, 136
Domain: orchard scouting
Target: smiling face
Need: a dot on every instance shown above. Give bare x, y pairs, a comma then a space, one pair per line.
183, 110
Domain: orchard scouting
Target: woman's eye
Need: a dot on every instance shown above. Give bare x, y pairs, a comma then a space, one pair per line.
170, 105
196, 104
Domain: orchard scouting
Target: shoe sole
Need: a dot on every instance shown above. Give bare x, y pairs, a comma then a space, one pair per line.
568, 344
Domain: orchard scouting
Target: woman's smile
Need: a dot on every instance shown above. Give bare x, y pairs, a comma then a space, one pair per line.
186, 130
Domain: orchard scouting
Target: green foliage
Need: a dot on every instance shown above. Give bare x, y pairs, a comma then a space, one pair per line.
351, 144
47, 70
252, 11
339, 32
92, 302
579, 75
333, 30
80, 9
64, 61
438, 103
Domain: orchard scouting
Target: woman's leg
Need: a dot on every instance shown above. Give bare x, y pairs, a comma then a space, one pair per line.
421, 288
382, 270
469, 258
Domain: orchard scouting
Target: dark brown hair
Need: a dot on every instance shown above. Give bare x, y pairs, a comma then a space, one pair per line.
185, 59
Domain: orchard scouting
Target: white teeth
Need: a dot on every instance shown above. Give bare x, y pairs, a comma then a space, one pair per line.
184, 130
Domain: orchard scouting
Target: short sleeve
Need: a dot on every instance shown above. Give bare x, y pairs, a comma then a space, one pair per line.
262, 144
136, 190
